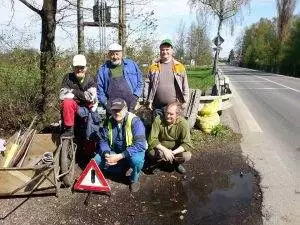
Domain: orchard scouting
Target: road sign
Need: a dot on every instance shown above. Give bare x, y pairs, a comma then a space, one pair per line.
92, 179
215, 40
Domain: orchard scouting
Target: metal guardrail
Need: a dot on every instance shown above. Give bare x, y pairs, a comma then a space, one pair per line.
223, 92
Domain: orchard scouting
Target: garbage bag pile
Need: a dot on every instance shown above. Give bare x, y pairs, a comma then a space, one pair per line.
208, 116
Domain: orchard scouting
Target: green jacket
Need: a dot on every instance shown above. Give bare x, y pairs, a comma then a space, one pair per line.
172, 136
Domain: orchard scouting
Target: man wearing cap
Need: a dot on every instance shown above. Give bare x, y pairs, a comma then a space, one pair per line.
119, 77
166, 81
122, 144
78, 90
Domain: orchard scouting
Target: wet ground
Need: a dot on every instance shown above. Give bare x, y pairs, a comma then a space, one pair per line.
219, 188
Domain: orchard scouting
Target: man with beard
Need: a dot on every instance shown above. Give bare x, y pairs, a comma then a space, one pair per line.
119, 77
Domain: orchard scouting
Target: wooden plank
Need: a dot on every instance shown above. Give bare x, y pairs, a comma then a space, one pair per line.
11, 149
187, 110
27, 149
22, 148
194, 109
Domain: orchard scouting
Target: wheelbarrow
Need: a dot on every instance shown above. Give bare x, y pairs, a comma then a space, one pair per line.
48, 160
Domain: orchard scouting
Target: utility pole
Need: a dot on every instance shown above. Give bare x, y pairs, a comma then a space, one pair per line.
80, 28
122, 25
102, 22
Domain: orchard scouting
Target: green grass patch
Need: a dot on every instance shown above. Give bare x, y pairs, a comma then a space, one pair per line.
222, 132
200, 78
220, 135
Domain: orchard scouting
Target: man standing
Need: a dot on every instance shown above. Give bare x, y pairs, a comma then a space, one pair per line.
166, 81
119, 78
122, 144
78, 90
170, 138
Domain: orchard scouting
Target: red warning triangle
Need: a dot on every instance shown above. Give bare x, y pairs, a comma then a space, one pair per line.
92, 179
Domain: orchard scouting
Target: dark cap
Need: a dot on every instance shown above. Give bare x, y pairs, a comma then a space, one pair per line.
166, 42
118, 103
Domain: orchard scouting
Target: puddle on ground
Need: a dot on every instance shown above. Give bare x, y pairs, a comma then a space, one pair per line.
219, 198
216, 198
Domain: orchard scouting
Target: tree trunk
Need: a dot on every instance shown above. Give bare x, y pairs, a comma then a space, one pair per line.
47, 60
218, 47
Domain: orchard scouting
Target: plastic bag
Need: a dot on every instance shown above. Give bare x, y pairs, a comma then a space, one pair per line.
210, 108
207, 122
208, 116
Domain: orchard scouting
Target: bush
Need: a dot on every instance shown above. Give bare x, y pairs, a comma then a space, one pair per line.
21, 88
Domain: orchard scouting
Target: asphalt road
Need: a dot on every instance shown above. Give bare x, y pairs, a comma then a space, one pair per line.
268, 110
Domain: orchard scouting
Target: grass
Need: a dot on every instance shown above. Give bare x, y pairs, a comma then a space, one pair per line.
220, 135
200, 78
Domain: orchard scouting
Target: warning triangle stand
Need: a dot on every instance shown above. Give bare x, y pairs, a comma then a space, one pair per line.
92, 179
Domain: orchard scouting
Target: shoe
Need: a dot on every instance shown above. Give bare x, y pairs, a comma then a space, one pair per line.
151, 170
180, 169
179, 160
134, 187
68, 133
128, 172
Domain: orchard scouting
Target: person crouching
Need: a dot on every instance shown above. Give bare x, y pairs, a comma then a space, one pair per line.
122, 144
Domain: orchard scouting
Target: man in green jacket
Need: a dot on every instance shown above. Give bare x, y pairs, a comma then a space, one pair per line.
169, 138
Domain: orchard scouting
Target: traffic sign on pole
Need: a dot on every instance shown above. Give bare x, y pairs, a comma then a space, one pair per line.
92, 179
218, 41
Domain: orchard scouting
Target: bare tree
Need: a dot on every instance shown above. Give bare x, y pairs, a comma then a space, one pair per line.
180, 41
47, 14
198, 45
223, 10
285, 9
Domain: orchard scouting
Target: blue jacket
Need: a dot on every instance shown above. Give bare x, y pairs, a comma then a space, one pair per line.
119, 145
132, 74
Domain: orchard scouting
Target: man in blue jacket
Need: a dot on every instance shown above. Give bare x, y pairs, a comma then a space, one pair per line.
119, 78
122, 144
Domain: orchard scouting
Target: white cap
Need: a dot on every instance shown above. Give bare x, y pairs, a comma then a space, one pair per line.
79, 60
115, 47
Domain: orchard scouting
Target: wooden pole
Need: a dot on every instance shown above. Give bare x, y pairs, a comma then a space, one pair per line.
122, 25
80, 27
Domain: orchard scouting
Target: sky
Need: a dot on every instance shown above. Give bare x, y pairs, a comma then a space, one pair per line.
169, 14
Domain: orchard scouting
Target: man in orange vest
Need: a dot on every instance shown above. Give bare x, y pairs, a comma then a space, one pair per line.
166, 81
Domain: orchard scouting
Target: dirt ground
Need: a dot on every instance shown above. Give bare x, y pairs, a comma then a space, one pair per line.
219, 188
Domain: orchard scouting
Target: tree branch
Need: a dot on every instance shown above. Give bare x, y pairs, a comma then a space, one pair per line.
31, 6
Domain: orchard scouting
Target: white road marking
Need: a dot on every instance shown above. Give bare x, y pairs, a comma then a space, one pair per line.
260, 88
248, 122
246, 81
293, 89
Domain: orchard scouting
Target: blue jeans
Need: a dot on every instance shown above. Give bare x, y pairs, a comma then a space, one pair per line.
136, 162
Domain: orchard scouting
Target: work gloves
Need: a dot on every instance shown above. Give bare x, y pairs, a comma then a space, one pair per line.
90, 95
65, 93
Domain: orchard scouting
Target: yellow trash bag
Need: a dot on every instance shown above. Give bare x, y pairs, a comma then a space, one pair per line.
210, 108
208, 117
207, 122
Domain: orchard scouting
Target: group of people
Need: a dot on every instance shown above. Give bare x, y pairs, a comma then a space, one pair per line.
119, 84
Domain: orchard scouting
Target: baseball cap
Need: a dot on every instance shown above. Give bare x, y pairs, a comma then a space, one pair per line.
115, 47
166, 42
118, 103
79, 60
